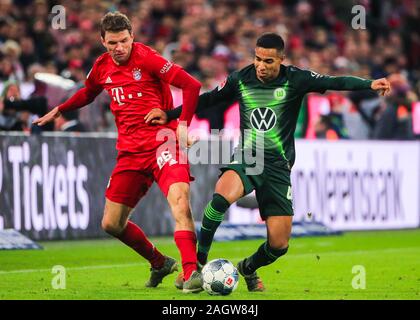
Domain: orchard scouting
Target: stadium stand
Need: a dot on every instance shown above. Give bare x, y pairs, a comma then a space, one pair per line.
210, 39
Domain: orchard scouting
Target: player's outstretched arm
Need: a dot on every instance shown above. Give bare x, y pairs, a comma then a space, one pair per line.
190, 92
310, 81
355, 83
50, 116
159, 116
81, 98
222, 95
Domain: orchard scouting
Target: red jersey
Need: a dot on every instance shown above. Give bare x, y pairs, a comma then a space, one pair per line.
136, 87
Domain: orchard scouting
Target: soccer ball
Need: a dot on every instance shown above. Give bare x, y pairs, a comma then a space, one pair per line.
220, 277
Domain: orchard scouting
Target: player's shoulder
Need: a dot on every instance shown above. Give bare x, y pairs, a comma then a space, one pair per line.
293, 70
246, 72
295, 73
142, 50
99, 65
244, 75
102, 59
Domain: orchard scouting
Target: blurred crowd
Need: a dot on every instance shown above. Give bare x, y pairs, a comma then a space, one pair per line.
210, 39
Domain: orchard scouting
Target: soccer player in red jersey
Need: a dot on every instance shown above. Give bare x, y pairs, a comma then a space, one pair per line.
137, 80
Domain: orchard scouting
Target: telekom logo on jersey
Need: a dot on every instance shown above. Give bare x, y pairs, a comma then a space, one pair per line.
118, 95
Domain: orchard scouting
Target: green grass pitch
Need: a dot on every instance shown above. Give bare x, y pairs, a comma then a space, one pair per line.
314, 268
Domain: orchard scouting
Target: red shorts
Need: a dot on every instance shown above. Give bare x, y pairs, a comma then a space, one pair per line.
134, 174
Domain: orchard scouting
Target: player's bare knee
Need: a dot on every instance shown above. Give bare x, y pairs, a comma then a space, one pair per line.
230, 186
230, 197
111, 227
278, 244
179, 202
229, 194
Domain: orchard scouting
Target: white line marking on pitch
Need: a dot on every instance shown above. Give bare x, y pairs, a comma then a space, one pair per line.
299, 255
109, 266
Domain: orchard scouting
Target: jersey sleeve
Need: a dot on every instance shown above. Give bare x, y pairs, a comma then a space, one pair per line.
311, 81
225, 92
92, 79
86, 95
223, 95
160, 67
178, 77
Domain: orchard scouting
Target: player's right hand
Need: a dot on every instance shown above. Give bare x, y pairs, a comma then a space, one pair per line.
156, 116
185, 140
182, 134
50, 116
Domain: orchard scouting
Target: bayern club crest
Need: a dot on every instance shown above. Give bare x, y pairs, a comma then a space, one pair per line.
136, 74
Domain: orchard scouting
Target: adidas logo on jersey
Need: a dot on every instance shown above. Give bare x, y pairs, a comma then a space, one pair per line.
108, 80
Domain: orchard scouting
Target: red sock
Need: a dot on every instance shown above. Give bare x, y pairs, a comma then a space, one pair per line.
186, 242
135, 238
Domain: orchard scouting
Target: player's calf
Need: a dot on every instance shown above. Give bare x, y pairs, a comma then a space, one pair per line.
264, 256
213, 216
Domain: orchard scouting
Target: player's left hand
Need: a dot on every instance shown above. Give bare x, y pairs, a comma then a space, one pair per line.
156, 116
382, 85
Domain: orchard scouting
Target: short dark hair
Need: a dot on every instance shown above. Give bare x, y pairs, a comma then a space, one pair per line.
115, 22
271, 40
